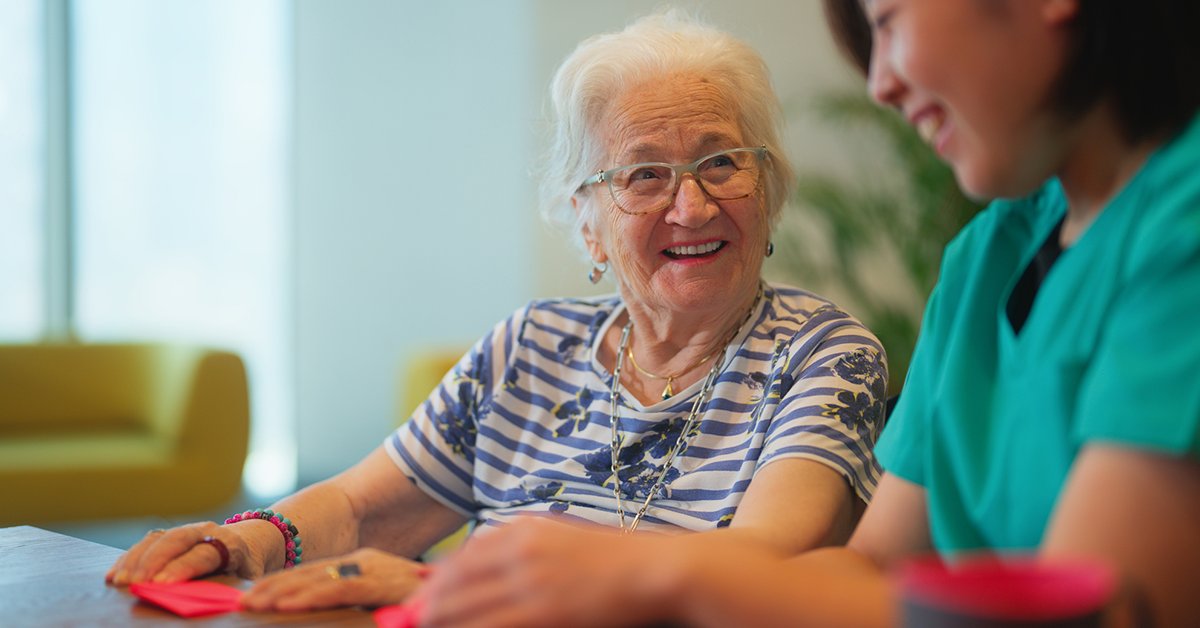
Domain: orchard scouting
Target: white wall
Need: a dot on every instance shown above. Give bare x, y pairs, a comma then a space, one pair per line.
416, 125
412, 222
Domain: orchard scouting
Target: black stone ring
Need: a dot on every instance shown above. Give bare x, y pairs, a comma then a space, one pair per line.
347, 570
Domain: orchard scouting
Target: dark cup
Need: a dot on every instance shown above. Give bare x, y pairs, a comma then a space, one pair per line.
992, 592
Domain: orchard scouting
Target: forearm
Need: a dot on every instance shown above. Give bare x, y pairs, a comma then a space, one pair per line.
827, 588
369, 505
811, 535
324, 518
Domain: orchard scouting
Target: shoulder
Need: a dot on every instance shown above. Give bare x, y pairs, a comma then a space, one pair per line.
802, 323
568, 315
1169, 201
559, 325
791, 312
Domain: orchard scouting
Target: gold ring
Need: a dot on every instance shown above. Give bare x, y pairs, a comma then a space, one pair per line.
333, 572
156, 531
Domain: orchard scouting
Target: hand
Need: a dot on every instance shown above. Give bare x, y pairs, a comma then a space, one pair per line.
383, 579
543, 573
178, 554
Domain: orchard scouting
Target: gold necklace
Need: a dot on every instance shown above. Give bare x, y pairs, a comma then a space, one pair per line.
667, 392
684, 434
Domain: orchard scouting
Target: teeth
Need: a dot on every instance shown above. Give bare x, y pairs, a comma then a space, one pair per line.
695, 250
929, 125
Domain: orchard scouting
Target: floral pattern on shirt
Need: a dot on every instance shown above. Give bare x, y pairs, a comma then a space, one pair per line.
861, 411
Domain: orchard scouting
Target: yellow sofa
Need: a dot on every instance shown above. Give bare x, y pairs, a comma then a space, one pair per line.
121, 430
423, 372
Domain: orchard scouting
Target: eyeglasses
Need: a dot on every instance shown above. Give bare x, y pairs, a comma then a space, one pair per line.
650, 187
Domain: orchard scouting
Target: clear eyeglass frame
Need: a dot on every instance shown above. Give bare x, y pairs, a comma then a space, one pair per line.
608, 176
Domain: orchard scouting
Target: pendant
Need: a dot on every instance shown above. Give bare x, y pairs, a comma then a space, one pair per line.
667, 392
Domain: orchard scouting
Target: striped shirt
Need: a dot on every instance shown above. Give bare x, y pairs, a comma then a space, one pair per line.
522, 423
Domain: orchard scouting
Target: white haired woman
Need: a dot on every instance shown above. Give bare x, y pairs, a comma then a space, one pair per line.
696, 399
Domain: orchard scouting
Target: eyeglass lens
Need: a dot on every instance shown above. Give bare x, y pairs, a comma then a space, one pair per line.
725, 176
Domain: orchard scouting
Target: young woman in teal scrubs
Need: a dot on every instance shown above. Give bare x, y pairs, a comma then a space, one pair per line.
1053, 402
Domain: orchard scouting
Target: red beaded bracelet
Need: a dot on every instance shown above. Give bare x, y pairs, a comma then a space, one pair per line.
291, 536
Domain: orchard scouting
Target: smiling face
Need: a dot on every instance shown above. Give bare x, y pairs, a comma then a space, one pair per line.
697, 254
976, 78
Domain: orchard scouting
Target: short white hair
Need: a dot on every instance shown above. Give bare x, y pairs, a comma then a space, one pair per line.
602, 68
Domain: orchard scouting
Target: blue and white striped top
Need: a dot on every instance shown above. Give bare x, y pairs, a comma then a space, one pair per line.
521, 424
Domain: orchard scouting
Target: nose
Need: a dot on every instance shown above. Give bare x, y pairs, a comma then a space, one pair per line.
884, 85
692, 206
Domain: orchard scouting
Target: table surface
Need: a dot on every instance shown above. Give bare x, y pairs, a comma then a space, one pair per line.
48, 579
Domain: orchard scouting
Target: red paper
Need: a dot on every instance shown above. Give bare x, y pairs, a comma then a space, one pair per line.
398, 615
1022, 588
194, 598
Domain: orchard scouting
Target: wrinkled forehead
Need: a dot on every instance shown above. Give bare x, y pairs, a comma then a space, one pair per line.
682, 117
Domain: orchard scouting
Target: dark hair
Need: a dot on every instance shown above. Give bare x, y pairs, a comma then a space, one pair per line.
1143, 53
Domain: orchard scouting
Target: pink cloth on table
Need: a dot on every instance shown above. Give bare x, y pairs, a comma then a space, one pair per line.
195, 598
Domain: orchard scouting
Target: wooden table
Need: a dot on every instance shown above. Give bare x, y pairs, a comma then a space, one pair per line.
48, 579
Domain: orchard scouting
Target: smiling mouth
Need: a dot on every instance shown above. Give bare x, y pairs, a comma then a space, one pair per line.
929, 125
694, 252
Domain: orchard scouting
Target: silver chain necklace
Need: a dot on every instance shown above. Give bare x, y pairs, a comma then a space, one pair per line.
684, 435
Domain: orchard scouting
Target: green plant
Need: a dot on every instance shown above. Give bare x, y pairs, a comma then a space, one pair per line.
914, 217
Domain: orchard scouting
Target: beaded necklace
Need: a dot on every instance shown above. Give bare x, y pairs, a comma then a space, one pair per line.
684, 435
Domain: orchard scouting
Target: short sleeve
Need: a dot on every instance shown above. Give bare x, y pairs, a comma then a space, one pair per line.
1143, 387
832, 403
903, 447
435, 449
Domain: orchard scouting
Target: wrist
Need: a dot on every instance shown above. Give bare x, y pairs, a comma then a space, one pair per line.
288, 533
263, 548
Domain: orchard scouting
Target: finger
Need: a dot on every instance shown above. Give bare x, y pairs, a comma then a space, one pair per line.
460, 605
509, 616
328, 593
169, 546
201, 559
381, 579
120, 571
282, 584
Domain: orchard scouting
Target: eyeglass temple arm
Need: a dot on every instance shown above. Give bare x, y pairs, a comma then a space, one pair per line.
596, 178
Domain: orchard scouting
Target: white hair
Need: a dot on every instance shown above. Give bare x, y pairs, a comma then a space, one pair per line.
602, 68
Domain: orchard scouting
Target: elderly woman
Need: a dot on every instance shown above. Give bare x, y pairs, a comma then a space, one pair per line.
696, 399
1052, 406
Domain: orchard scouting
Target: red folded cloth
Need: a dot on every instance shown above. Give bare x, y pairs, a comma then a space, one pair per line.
194, 598
399, 615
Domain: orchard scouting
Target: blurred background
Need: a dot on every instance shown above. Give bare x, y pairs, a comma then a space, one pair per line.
331, 188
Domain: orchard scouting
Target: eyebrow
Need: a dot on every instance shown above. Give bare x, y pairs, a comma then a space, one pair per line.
708, 139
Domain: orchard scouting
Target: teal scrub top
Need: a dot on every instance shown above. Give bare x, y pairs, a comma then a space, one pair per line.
990, 421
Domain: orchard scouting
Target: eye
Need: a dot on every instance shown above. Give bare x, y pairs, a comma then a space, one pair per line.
644, 174
881, 19
720, 161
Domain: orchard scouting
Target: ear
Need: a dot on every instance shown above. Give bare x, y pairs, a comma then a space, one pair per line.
1059, 12
593, 246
